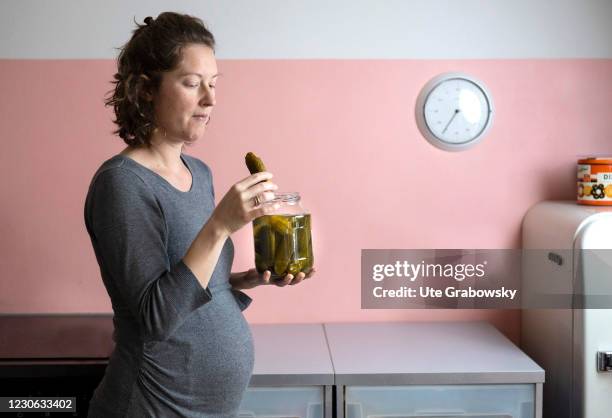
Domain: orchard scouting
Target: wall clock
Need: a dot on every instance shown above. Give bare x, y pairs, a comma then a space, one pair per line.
454, 111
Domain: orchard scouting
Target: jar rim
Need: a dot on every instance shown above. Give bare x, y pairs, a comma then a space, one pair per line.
596, 160
285, 197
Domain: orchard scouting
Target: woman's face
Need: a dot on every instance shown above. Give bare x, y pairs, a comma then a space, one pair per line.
186, 95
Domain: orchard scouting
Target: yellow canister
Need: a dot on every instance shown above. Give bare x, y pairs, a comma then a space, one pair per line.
595, 181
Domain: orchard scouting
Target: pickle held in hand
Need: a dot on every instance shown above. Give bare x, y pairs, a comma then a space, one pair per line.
254, 163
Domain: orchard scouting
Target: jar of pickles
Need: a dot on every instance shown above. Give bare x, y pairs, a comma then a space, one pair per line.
283, 242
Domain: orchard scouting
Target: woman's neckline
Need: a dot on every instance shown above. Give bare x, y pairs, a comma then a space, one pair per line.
163, 178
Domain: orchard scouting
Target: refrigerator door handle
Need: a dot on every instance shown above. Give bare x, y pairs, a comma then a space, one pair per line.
604, 361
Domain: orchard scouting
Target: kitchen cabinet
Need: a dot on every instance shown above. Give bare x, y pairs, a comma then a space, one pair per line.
293, 374
66, 355
433, 369
359, 370
54, 355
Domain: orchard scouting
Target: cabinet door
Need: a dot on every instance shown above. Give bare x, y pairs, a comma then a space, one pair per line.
444, 401
283, 402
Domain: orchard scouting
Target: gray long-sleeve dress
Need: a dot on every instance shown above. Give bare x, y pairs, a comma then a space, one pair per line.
180, 350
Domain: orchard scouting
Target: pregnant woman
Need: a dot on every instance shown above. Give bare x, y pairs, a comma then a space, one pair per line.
182, 345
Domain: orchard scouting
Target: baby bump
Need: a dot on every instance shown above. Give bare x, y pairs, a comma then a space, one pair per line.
226, 338
209, 358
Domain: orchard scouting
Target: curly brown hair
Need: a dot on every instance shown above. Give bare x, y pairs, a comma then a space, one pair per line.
155, 47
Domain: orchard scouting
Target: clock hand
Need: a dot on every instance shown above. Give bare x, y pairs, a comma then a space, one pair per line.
451, 119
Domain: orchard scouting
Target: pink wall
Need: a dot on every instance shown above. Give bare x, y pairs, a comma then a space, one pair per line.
341, 132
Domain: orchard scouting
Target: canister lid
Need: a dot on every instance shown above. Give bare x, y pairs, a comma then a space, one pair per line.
595, 160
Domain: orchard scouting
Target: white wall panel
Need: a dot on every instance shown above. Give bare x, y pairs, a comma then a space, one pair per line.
336, 29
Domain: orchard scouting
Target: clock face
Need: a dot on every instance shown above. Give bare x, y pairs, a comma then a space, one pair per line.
457, 111
454, 111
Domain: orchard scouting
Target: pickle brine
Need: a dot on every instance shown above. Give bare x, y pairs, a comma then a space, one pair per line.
283, 244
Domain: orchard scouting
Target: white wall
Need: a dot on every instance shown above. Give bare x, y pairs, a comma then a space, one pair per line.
335, 29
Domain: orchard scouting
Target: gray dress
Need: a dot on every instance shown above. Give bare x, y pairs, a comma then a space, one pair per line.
180, 350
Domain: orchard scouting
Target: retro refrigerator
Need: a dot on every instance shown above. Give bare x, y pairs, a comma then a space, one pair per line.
567, 327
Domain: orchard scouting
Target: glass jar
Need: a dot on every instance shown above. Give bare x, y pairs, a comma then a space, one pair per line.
283, 240
595, 181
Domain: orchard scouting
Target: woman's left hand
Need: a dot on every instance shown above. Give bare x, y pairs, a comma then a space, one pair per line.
252, 278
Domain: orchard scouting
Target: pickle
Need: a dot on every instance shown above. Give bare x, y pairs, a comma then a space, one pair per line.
303, 235
254, 163
260, 263
307, 246
257, 228
282, 256
264, 244
295, 267
280, 224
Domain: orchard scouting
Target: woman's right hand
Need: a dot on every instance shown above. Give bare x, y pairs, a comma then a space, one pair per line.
238, 206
